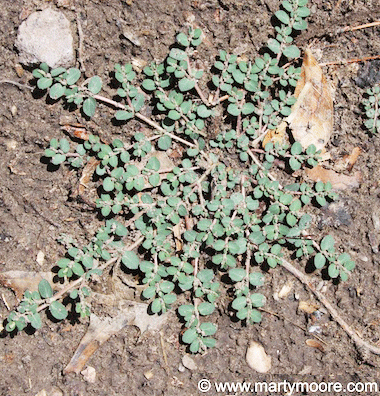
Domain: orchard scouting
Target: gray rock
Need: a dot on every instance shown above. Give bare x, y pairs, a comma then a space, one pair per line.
45, 37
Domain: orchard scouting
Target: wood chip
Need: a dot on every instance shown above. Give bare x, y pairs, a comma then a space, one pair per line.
315, 344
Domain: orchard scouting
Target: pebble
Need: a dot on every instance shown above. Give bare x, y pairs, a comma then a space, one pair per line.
189, 363
89, 374
148, 375
257, 358
45, 37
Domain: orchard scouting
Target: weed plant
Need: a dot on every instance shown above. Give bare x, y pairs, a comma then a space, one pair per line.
215, 219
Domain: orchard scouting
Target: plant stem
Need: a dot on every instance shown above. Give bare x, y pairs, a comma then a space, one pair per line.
61, 293
332, 310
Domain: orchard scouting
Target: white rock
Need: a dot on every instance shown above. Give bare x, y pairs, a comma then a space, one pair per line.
89, 374
257, 358
189, 363
40, 257
45, 37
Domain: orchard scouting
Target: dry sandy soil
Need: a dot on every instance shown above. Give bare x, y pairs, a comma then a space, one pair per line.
35, 207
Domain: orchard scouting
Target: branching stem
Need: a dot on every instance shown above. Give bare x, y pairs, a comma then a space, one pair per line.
332, 310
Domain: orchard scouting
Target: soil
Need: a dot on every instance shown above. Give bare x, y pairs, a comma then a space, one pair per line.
35, 206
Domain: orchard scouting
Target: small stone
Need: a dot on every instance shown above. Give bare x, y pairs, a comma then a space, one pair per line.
45, 37
40, 257
286, 289
19, 70
14, 110
189, 363
257, 358
11, 144
89, 374
148, 375
55, 391
41, 393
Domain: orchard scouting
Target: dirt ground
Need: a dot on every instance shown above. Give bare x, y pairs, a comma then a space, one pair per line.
35, 207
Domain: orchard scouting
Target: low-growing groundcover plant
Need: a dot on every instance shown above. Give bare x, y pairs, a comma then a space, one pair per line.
211, 219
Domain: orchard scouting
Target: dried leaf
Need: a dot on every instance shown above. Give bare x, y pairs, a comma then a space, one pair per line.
277, 135
178, 237
101, 329
311, 119
338, 180
352, 158
87, 173
76, 130
19, 281
315, 344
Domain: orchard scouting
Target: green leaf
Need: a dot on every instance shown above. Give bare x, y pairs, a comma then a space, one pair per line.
292, 52
178, 54
296, 148
45, 289
108, 184
294, 164
206, 308
189, 336
56, 72
35, 320
327, 243
123, 115
186, 310
203, 111
153, 164
149, 85
208, 328
258, 300
149, 292
186, 84
182, 39
174, 115
58, 159
333, 271
56, 91
77, 269
58, 310
138, 102
89, 106
283, 17
154, 179
95, 84
319, 260
237, 274
233, 109
130, 260
10, 326
274, 46
73, 76
248, 108
64, 145
164, 142
156, 306
166, 287
239, 303
44, 83
256, 278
